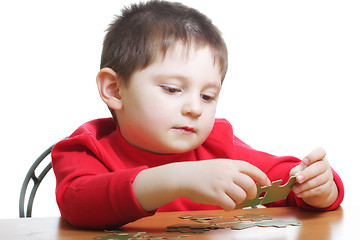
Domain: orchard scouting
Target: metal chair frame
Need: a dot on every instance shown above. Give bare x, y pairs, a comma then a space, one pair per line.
37, 180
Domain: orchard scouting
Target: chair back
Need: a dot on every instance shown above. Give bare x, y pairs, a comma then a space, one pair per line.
37, 179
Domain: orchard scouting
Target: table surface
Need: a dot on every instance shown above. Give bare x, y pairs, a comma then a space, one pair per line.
338, 224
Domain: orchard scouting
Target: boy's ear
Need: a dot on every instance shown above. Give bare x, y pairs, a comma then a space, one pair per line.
108, 84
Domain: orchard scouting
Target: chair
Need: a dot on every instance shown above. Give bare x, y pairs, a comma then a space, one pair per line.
31, 175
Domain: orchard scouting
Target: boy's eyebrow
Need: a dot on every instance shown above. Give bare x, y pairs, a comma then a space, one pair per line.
213, 84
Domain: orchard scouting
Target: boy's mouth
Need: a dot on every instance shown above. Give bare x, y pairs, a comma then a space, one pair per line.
185, 130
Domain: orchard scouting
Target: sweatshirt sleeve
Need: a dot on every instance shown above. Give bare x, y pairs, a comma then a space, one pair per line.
94, 193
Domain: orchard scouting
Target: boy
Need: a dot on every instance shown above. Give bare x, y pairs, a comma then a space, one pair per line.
162, 68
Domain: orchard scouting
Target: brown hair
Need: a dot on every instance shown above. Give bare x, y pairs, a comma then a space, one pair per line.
145, 30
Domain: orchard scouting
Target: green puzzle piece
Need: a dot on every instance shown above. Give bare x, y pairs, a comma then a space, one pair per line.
276, 192
113, 237
279, 223
257, 200
273, 193
275, 223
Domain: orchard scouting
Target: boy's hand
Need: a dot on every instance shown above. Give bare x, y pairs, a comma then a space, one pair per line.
314, 178
221, 182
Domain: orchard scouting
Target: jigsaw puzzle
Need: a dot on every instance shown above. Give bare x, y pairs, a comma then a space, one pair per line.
275, 223
188, 228
273, 193
153, 236
113, 237
223, 223
200, 224
199, 217
236, 223
125, 235
254, 217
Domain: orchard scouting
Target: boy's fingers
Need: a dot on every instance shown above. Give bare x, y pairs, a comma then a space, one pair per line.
310, 166
312, 171
315, 155
236, 193
247, 187
295, 170
226, 202
311, 183
255, 173
313, 189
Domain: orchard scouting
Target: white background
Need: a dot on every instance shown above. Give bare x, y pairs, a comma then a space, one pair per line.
292, 84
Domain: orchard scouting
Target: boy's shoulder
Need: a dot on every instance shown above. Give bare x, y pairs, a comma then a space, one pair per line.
98, 128
222, 131
220, 142
88, 137
223, 134
222, 125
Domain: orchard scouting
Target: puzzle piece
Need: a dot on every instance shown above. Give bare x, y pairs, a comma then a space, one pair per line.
279, 223
190, 225
199, 217
254, 217
113, 237
189, 228
257, 200
275, 223
166, 235
186, 216
276, 192
125, 235
273, 193
242, 226
123, 232
223, 223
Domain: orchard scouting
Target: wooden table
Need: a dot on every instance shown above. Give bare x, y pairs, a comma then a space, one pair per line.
338, 224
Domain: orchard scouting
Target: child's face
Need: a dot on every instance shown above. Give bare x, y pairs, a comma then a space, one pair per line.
169, 107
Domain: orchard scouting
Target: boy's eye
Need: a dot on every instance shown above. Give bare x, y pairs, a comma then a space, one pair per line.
170, 89
207, 98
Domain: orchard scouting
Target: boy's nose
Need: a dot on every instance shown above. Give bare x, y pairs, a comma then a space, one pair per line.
192, 108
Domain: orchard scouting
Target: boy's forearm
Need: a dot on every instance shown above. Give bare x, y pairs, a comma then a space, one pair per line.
155, 187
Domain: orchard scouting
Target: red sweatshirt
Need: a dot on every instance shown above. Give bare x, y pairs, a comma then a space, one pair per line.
95, 168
